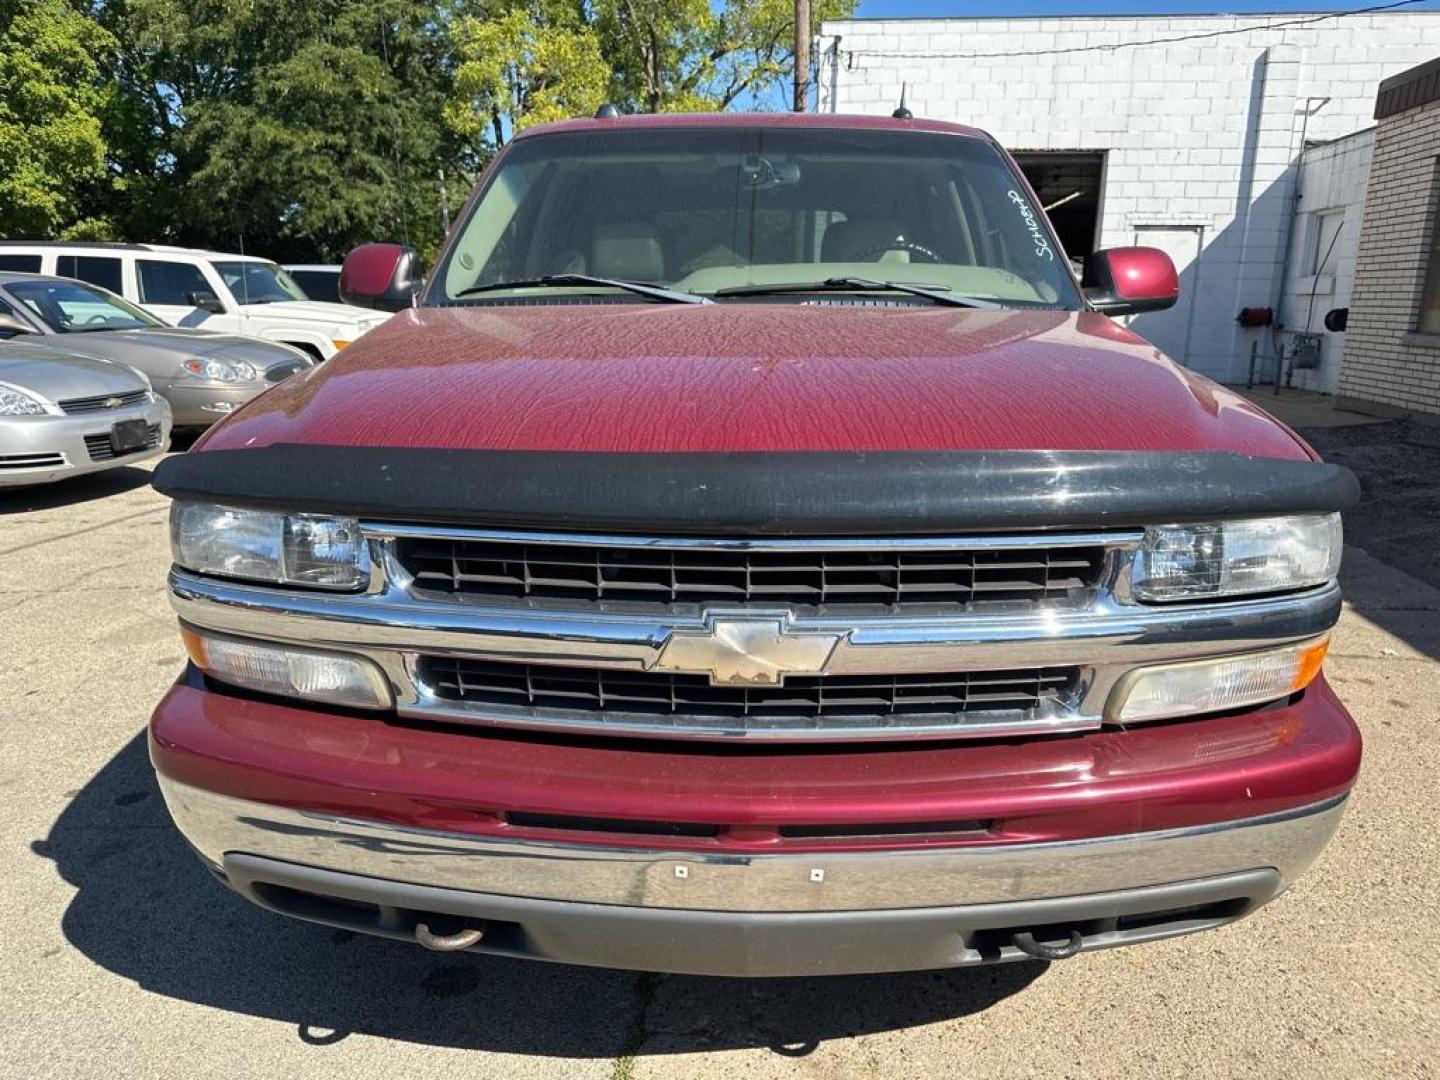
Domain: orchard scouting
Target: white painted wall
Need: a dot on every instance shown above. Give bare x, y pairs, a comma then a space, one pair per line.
1201, 136
1332, 202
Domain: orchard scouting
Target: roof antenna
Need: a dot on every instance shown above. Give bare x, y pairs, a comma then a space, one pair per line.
902, 113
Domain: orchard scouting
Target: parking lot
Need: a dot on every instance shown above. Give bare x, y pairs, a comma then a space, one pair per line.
124, 959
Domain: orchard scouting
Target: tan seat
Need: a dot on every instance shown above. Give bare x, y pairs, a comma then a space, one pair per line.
862, 240
628, 250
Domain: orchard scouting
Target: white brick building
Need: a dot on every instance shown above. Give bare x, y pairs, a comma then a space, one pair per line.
1392, 345
1321, 267
1190, 145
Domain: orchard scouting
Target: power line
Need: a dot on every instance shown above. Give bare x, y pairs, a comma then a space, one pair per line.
851, 54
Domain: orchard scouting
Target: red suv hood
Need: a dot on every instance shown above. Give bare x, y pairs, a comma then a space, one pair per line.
754, 376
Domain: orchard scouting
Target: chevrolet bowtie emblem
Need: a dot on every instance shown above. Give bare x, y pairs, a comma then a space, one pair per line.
759, 651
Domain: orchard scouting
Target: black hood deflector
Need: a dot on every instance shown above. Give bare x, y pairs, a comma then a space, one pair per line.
761, 494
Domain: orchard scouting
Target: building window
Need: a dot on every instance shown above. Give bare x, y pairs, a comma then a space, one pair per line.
1429, 322
1322, 233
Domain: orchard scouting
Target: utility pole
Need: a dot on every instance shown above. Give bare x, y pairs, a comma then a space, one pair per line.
802, 55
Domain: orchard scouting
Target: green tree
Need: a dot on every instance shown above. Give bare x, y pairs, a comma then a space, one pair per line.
528, 65
687, 55
295, 129
52, 95
525, 62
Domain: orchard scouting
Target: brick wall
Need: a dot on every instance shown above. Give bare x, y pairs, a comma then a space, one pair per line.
1200, 136
1386, 362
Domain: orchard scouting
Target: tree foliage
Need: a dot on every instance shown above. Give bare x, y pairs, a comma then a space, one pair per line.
51, 99
300, 129
530, 61
529, 65
687, 55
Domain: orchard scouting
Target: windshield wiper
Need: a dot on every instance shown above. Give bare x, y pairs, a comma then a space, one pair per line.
553, 281
853, 284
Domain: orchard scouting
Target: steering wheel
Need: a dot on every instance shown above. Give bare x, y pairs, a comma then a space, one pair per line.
97, 320
900, 244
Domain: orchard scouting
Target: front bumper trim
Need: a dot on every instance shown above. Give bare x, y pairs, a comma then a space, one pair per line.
750, 944
220, 827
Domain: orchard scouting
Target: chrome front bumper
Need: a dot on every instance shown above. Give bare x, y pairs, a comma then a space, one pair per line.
219, 826
742, 915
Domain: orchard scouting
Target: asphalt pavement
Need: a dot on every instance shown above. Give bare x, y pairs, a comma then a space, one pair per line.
122, 958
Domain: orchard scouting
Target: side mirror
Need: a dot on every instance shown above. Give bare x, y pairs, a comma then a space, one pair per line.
206, 302
381, 276
13, 327
1130, 280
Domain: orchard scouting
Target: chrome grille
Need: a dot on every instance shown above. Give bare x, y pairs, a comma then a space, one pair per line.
896, 671
101, 450
832, 701
801, 578
104, 402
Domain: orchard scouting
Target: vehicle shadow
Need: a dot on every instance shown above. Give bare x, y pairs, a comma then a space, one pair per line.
146, 909
79, 489
1393, 527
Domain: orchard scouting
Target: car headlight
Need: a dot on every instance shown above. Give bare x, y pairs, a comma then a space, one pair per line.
1204, 686
1237, 558
314, 550
220, 370
16, 402
335, 678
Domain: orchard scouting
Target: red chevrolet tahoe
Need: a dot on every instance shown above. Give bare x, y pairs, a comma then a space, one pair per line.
752, 552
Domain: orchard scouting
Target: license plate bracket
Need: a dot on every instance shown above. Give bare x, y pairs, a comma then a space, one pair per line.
129, 435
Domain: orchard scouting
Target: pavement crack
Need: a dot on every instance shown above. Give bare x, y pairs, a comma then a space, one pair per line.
639, 1031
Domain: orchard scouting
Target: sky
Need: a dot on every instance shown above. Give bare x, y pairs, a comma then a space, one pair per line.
900, 9
778, 96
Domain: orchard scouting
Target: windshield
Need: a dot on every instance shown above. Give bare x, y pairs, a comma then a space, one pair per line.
258, 282
68, 307
711, 210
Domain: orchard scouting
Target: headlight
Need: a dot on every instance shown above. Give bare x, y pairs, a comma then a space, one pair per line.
218, 370
336, 678
315, 550
1237, 558
16, 402
1202, 686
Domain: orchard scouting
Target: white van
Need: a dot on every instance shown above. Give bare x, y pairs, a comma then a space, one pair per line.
236, 294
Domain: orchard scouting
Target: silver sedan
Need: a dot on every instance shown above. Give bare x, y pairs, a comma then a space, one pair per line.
63, 415
203, 375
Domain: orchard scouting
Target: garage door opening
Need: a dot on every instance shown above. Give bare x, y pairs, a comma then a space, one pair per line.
1068, 183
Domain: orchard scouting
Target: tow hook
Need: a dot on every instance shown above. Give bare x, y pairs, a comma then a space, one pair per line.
1026, 943
461, 939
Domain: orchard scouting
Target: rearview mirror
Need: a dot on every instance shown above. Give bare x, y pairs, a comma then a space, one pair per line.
206, 302
13, 327
381, 276
1130, 280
